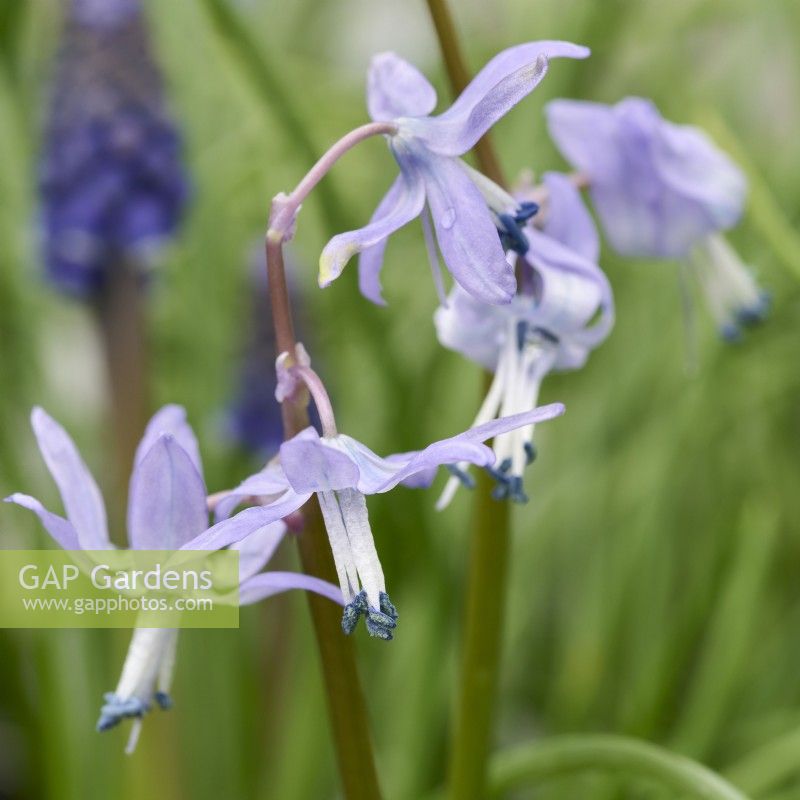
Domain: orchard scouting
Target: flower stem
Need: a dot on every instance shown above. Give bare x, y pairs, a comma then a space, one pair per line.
285, 209
489, 550
346, 703
566, 755
482, 644
121, 315
459, 78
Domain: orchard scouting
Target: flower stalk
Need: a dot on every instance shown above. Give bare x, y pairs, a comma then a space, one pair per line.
345, 698
490, 541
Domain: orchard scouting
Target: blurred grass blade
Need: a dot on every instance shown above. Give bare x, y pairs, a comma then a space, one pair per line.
565, 755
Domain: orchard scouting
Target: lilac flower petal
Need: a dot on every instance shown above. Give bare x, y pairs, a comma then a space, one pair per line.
466, 232
258, 548
270, 483
310, 466
370, 261
62, 531
572, 292
472, 328
82, 500
167, 502
457, 130
658, 188
498, 87
586, 135
395, 88
271, 583
233, 530
495, 427
466, 446
407, 205
568, 221
689, 162
170, 419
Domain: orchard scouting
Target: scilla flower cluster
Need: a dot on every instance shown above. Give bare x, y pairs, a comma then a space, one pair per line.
528, 298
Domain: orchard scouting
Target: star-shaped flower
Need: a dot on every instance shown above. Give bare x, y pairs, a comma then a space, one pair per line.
167, 510
433, 180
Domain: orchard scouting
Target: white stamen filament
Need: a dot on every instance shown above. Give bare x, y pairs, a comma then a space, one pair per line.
514, 389
354, 553
727, 283
496, 197
488, 411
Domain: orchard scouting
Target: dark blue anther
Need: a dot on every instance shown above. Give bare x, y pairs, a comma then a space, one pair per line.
115, 709
530, 453
353, 611
163, 700
511, 235
464, 477
515, 490
731, 333
753, 315
522, 333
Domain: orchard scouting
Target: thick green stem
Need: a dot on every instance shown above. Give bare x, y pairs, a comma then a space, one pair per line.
488, 559
482, 645
346, 703
566, 755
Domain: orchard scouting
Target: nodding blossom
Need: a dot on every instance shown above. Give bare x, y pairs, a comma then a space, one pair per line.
112, 183
341, 471
434, 182
563, 309
663, 191
167, 510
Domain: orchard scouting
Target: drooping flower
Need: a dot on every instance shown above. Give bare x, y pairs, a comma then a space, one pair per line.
341, 471
662, 191
434, 182
167, 510
112, 184
563, 309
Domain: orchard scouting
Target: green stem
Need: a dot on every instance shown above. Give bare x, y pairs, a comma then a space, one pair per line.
489, 554
565, 755
482, 645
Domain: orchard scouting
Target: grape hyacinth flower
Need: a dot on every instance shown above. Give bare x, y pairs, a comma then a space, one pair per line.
434, 182
167, 510
112, 184
341, 471
663, 191
563, 309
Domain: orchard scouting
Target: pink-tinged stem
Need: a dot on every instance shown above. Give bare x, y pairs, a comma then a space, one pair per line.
286, 207
345, 698
321, 399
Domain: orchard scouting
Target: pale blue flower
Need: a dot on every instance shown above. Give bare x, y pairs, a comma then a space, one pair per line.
341, 471
563, 310
167, 510
663, 191
434, 182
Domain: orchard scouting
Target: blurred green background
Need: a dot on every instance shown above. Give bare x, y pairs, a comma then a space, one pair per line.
654, 585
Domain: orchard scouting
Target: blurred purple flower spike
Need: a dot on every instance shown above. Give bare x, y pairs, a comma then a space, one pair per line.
112, 183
